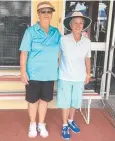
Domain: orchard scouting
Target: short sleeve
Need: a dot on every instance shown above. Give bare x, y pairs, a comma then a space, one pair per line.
26, 41
89, 50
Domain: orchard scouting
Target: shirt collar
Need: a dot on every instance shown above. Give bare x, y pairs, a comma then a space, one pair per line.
82, 38
38, 27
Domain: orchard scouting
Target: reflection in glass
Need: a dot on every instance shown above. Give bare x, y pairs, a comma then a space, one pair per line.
96, 70
75, 6
15, 17
99, 21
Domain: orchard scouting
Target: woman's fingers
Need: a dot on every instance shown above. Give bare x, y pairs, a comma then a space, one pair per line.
25, 78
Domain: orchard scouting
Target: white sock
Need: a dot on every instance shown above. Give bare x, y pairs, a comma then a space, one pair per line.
70, 120
65, 125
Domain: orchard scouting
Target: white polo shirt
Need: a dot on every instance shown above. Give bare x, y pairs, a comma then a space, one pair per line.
73, 54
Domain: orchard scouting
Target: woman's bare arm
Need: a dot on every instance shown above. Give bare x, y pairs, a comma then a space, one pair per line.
23, 60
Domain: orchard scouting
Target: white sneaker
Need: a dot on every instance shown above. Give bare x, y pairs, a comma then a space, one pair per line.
32, 130
42, 130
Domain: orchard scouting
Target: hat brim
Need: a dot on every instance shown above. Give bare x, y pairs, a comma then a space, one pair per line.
87, 22
46, 7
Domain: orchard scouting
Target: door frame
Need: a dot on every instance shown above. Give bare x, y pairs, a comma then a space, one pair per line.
110, 60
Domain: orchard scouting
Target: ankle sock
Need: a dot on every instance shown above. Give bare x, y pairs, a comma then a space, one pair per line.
65, 125
70, 120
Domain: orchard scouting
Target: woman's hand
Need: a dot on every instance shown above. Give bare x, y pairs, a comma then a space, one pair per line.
24, 78
88, 77
23, 59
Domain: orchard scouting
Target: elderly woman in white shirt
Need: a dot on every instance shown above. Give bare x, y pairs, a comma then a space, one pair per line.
74, 70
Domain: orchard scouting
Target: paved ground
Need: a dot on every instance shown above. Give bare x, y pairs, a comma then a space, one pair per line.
14, 125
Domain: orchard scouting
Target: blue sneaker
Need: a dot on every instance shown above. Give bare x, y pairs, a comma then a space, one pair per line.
73, 127
65, 133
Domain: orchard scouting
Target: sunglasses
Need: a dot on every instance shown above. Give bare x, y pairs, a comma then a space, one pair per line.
44, 12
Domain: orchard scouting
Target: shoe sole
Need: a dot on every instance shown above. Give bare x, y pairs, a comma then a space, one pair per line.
44, 136
75, 132
32, 136
66, 138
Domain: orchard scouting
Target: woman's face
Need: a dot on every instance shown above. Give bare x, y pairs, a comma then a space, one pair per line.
77, 25
45, 15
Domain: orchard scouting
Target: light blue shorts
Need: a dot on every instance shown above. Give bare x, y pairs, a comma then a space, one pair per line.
69, 94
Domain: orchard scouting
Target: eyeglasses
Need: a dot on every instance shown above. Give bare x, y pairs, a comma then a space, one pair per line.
44, 12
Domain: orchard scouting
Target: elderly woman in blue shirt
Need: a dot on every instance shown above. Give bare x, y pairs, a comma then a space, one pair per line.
39, 63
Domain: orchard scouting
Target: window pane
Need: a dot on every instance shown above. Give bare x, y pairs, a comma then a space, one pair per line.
15, 17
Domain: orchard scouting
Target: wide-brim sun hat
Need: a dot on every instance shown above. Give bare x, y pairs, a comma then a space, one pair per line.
75, 14
45, 4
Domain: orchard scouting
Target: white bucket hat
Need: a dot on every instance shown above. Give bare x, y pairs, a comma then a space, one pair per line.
87, 20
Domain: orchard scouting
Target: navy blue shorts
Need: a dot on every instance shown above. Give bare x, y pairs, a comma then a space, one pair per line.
36, 90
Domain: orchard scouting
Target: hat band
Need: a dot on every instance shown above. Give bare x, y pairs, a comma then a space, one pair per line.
45, 6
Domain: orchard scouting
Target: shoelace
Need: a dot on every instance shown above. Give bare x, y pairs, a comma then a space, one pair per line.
65, 130
32, 127
43, 129
73, 124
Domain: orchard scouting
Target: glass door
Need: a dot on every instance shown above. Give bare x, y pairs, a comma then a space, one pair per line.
99, 33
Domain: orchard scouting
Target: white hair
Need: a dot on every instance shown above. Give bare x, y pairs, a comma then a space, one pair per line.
75, 18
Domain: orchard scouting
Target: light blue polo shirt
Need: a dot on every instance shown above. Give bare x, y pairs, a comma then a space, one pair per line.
73, 54
42, 48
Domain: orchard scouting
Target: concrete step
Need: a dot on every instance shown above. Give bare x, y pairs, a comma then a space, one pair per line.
10, 81
11, 86
21, 104
9, 72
